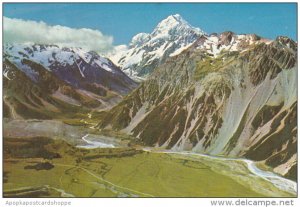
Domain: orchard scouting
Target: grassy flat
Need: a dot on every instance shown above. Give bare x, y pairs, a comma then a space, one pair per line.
118, 172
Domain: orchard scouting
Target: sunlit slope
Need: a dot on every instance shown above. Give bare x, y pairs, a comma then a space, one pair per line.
236, 103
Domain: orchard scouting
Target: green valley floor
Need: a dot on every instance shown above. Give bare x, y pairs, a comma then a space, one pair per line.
46, 167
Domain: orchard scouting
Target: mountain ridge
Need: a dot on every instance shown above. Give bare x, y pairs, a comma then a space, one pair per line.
218, 103
79, 77
170, 37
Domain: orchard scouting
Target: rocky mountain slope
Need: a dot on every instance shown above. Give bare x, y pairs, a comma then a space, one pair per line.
227, 94
146, 51
37, 77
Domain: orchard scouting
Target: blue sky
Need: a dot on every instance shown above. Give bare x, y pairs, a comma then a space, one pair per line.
124, 20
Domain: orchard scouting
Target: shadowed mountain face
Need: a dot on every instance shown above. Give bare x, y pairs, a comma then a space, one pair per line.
81, 69
42, 81
46, 97
227, 94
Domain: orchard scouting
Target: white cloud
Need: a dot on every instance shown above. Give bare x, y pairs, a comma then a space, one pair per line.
23, 31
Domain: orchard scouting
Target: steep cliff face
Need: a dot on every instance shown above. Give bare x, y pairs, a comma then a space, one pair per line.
236, 96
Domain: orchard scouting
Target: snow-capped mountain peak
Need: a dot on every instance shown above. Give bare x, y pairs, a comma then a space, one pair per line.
139, 39
76, 66
146, 50
174, 24
170, 22
51, 55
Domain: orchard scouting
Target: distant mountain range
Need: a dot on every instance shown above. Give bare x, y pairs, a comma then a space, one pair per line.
71, 76
169, 38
